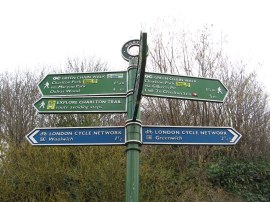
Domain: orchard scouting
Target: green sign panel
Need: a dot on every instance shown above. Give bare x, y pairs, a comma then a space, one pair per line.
184, 87
81, 105
101, 83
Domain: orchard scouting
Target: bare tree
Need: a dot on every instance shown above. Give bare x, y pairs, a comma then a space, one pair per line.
246, 106
91, 64
18, 93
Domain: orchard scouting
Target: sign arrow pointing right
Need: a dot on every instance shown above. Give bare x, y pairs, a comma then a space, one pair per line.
189, 135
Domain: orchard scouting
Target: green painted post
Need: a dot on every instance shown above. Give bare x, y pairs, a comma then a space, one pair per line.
133, 143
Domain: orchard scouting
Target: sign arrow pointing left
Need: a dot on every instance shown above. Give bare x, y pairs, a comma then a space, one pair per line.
77, 136
31, 137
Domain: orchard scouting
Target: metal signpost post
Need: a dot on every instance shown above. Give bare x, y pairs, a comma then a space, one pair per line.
121, 92
138, 86
133, 141
133, 124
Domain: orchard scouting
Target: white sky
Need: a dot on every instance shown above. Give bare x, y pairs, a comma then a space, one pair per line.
36, 33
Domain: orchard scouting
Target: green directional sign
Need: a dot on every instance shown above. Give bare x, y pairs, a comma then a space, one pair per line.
184, 87
91, 84
81, 105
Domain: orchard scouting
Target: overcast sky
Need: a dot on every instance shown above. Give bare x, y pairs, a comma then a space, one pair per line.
37, 33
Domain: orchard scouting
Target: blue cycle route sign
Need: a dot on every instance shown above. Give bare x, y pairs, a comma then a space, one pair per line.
77, 136
190, 135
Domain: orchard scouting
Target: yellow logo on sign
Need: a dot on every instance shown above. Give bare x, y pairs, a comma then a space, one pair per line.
51, 104
183, 84
90, 81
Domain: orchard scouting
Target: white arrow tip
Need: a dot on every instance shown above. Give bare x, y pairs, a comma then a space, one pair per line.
235, 135
31, 137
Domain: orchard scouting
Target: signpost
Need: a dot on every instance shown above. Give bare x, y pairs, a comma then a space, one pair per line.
121, 92
77, 136
189, 135
81, 105
140, 75
184, 87
88, 84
